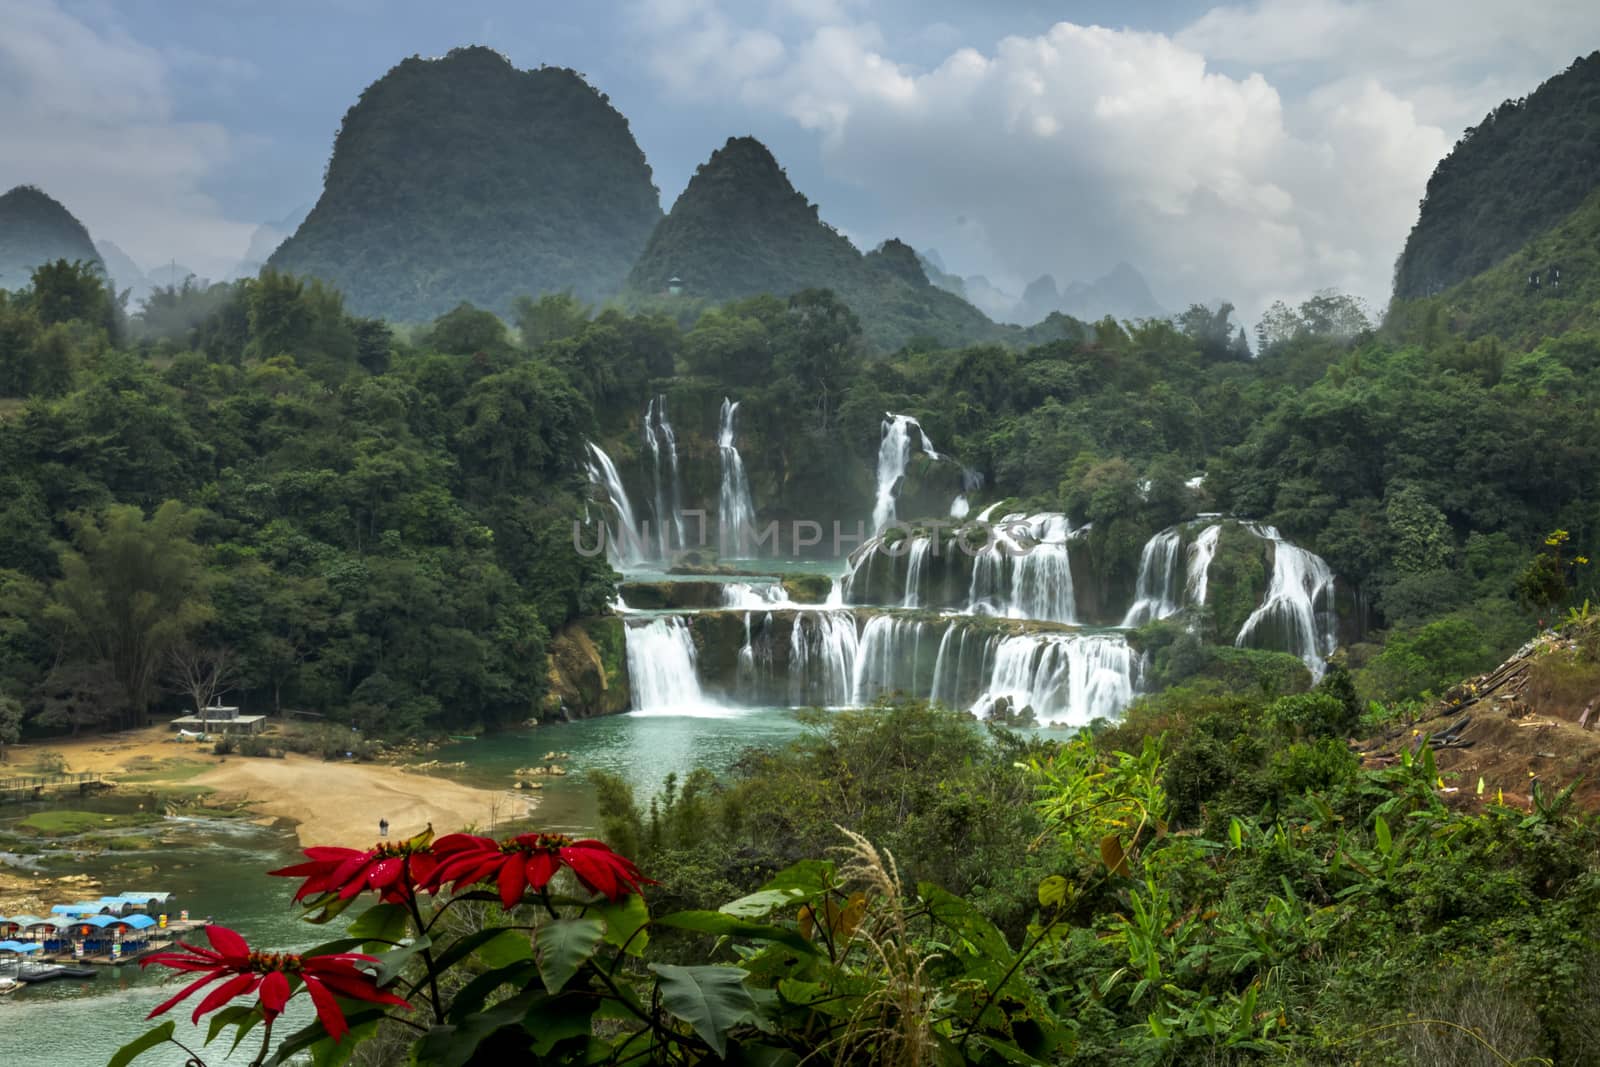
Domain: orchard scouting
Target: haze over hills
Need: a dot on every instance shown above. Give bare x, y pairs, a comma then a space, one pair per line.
266, 239
740, 228
464, 178
1524, 168
35, 228
1122, 293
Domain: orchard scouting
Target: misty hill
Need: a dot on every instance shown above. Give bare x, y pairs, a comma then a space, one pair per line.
128, 277
35, 228
1529, 164
464, 178
740, 228
265, 239
1121, 293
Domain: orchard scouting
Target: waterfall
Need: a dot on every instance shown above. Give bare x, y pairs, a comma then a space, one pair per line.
753, 595
1156, 594
959, 507
737, 513
669, 500
1297, 615
917, 570
1067, 679
662, 669
624, 545
1201, 553
1025, 570
756, 676
894, 453
823, 652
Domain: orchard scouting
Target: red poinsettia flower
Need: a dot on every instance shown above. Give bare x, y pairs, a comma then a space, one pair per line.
530, 861
392, 868
270, 973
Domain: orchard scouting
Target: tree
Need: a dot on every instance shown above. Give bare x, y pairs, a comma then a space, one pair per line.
130, 590
203, 673
553, 317
10, 722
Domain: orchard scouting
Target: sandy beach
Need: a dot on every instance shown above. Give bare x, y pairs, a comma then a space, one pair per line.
330, 803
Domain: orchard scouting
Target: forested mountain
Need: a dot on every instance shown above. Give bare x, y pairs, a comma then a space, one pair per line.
1520, 171
36, 229
465, 179
740, 228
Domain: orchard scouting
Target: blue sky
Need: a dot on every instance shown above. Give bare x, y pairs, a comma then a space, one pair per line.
1251, 152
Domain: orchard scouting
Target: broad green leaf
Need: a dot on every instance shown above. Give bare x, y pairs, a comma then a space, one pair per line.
391, 963
1236, 832
557, 1019
242, 1015
716, 922
626, 922
454, 1046
712, 1000
331, 1053
387, 923
808, 877
1053, 892
964, 919
472, 996
1005, 1050
505, 948
760, 905
307, 1037
141, 1044
565, 945
1380, 828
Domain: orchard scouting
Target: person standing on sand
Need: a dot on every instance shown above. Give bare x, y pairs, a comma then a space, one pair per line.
383, 827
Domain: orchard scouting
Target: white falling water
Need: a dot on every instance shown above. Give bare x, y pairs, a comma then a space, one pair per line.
1201, 553
823, 650
662, 669
1297, 615
624, 544
888, 659
917, 569
1156, 595
736, 512
901, 433
1067, 679
754, 595
659, 438
1041, 584
959, 507
1025, 570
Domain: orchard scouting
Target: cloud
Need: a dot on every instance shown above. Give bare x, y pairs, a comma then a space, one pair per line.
87, 114
1069, 150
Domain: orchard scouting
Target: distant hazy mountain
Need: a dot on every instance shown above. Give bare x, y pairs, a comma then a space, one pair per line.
265, 241
35, 229
126, 275
464, 178
1123, 294
740, 228
1522, 170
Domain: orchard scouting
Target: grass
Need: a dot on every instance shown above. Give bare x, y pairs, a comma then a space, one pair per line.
68, 823
174, 770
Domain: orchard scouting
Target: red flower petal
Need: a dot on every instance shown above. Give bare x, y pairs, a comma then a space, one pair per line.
328, 1013
237, 986
513, 880
230, 944
542, 866
275, 994
198, 983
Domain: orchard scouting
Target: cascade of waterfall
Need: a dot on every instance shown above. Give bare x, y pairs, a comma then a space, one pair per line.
901, 433
1201, 553
1157, 594
753, 595
959, 507
756, 676
917, 570
658, 437
1067, 679
1297, 616
1025, 570
625, 546
736, 512
823, 650
662, 669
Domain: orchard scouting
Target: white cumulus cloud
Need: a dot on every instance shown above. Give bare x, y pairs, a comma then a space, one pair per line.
86, 114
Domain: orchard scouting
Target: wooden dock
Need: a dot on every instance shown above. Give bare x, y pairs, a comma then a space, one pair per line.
35, 786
